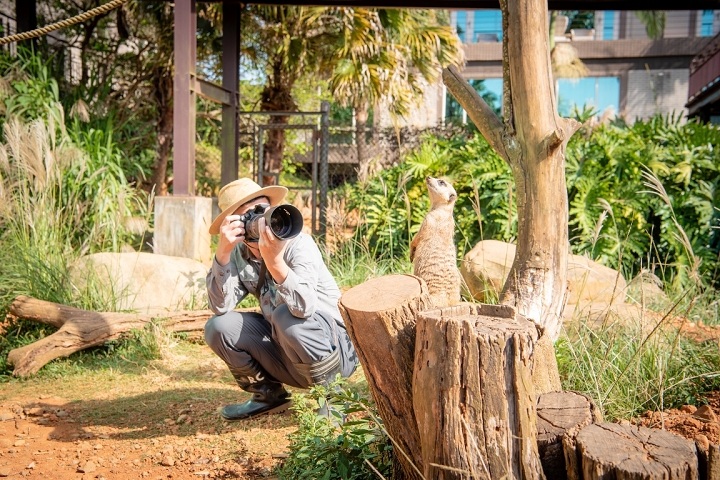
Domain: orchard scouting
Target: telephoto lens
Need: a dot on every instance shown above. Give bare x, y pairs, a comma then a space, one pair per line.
285, 221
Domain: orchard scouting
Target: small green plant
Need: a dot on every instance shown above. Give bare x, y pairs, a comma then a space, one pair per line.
329, 449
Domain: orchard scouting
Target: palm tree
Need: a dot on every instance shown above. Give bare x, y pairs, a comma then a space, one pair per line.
384, 57
288, 42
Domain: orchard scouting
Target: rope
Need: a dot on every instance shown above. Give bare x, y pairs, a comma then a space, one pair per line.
112, 5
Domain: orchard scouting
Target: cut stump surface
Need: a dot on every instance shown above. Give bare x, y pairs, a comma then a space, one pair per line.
609, 450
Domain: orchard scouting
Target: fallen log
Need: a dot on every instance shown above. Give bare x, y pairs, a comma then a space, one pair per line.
610, 450
380, 318
473, 394
80, 329
558, 413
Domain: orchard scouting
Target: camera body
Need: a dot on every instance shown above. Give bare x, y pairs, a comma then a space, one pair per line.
285, 221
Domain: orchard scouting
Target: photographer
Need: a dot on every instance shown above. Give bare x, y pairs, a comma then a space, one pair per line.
299, 339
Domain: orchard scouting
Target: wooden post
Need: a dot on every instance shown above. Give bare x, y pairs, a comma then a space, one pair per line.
230, 63
184, 99
473, 394
380, 318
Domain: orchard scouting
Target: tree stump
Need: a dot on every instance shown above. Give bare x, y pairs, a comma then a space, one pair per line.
80, 329
609, 450
380, 318
557, 413
473, 393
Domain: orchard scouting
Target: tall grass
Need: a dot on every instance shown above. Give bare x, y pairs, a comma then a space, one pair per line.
63, 194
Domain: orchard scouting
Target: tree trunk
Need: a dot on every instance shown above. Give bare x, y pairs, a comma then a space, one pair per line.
80, 329
609, 450
472, 393
276, 97
361, 117
532, 140
380, 318
559, 413
163, 93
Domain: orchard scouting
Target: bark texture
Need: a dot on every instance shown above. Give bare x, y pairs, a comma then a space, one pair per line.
380, 316
559, 413
629, 452
473, 395
80, 329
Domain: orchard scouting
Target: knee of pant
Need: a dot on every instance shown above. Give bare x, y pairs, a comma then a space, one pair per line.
214, 330
286, 324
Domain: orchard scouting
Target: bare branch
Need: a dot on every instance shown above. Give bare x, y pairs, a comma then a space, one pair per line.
478, 110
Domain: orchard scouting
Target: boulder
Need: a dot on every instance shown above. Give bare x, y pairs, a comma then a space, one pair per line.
143, 282
486, 267
646, 289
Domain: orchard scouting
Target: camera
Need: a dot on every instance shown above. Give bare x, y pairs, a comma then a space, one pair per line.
285, 221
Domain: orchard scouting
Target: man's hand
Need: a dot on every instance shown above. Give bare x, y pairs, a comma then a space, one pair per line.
232, 232
272, 250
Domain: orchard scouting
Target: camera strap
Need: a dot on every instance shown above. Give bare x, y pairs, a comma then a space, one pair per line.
261, 278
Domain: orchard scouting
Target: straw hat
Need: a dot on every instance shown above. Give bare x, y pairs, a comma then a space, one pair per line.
241, 191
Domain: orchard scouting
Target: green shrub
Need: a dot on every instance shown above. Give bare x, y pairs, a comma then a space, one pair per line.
323, 449
619, 215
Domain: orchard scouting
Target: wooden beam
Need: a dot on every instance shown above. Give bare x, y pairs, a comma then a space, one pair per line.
628, 5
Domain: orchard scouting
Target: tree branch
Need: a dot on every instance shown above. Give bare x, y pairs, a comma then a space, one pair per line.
478, 110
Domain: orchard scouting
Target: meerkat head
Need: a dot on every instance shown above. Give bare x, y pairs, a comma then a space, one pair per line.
441, 192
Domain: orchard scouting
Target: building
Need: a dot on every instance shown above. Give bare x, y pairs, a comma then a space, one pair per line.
704, 92
629, 74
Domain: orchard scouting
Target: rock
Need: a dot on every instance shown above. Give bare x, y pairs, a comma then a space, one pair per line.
646, 289
5, 416
89, 467
31, 466
184, 418
4, 472
145, 282
485, 268
705, 413
688, 409
19, 443
167, 461
5, 443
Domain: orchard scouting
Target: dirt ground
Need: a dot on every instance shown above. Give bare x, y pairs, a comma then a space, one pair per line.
155, 421
160, 421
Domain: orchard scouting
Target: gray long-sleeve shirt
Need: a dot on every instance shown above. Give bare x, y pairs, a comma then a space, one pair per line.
308, 287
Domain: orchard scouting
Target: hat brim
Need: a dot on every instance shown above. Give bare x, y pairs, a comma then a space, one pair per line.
274, 193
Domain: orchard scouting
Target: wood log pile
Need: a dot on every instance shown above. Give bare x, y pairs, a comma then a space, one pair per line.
454, 389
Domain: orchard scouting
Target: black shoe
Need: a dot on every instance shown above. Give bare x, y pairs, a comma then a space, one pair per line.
269, 396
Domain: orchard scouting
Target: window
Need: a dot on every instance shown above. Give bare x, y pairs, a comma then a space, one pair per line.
461, 25
609, 25
600, 93
487, 25
706, 25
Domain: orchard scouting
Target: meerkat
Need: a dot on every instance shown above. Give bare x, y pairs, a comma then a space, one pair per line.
432, 251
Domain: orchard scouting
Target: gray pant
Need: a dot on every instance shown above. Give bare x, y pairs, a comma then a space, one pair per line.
246, 339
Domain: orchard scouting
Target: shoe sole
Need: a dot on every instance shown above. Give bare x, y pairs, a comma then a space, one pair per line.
279, 409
